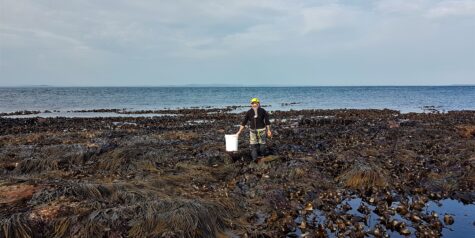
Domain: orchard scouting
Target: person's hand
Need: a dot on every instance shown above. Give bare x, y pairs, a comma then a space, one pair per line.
269, 133
237, 134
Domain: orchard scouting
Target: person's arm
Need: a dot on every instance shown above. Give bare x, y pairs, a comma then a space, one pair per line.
267, 121
241, 128
243, 123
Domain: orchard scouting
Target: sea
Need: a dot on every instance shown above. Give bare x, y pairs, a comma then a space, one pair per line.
63, 101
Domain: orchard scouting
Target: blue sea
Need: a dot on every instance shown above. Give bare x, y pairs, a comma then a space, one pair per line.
403, 98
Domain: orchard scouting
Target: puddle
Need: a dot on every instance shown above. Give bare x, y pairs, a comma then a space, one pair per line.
116, 123
198, 122
464, 218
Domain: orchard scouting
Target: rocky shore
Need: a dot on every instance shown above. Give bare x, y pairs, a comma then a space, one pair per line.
329, 173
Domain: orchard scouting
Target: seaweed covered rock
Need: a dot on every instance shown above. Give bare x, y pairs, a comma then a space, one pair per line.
338, 173
364, 175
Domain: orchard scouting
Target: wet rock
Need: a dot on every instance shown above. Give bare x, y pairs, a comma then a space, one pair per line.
9, 165
448, 219
45, 213
10, 194
466, 131
364, 176
393, 124
267, 159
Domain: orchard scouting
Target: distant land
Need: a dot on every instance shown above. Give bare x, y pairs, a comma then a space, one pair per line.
229, 85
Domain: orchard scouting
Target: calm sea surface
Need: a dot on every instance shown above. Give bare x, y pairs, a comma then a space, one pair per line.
405, 99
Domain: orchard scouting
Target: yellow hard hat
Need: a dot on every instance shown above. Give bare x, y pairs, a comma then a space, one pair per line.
255, 100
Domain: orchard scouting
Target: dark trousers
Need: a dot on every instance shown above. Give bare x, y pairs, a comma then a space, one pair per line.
258, 150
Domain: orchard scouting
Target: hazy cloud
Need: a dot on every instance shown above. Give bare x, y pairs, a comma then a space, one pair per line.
85, 42
452, 8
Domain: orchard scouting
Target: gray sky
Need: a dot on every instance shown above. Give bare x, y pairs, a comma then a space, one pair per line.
249, 42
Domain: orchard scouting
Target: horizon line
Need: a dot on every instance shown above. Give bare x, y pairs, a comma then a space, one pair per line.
226, 85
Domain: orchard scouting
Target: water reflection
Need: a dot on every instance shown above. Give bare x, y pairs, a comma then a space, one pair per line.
361, 213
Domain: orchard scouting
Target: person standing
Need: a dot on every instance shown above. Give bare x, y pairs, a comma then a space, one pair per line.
259, 128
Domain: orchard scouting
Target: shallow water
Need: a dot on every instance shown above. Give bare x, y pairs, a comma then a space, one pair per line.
463, 214
87, 115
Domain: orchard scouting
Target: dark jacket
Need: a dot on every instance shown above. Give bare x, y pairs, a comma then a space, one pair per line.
256, 123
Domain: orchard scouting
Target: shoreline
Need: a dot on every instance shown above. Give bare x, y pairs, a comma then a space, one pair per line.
342, 171
115, 112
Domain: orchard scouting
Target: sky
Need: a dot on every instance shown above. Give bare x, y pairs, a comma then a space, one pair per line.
245, 42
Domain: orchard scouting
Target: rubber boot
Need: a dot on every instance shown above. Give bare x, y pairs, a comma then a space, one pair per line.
254, 151
262, 150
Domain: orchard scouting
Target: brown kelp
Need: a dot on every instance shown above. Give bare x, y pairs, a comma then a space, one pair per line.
333, 173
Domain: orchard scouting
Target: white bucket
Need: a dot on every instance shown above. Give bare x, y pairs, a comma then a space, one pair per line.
231, 142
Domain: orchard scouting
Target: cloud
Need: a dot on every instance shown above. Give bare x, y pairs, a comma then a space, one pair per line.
327, 17
452, 8
402, 6
22, 38
164, 42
